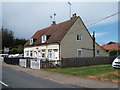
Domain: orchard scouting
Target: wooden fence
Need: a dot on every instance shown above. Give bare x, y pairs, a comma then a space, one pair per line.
50, 64
65, 62
86, 61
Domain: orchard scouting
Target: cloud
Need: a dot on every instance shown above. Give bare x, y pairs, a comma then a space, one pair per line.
94, 11
25, 18
100, 34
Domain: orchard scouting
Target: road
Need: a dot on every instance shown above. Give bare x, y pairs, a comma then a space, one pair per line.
16, 79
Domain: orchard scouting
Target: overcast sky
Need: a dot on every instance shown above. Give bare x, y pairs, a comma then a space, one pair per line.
25, 18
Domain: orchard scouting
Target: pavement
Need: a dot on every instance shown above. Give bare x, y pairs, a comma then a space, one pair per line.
63, 78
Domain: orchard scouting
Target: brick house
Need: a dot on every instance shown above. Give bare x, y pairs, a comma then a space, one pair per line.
64, 40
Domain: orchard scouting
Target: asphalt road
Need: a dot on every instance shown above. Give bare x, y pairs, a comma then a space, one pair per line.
16, 79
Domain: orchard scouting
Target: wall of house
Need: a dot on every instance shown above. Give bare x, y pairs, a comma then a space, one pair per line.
39, 48
103, 52
69, 44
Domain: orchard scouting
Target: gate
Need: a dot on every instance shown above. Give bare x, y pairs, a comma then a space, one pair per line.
22, 62
35, 63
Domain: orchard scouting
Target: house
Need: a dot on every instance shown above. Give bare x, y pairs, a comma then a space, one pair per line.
112, 48
64, 40
115, 46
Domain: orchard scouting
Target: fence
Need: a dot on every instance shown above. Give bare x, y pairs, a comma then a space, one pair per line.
65, 62
86, 61
23, 62
50, 63
35, 63
13, 61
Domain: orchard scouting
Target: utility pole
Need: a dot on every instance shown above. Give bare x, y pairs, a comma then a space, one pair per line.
93, 43
69, 8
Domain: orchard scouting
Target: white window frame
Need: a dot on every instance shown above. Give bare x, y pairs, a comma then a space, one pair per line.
27, 53
97, 54
80, 39
31, 41
44, 38
31, 52
39, 54
49, 53
55, 50
77, 53
43, 53
35, 54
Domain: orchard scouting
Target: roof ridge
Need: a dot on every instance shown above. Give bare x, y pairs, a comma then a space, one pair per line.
57, 24
57, 32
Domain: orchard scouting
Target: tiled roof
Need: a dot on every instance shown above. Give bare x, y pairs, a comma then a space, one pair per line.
56, 32
111, 46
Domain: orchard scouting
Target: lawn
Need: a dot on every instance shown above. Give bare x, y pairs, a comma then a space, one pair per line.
85, 71
96, 71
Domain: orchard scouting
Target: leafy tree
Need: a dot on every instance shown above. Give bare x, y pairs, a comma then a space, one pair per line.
19, 50
111, 42
18, 42
7, 38
113, 52
16, 45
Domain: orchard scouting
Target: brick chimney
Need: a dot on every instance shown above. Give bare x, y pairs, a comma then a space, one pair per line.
74, 14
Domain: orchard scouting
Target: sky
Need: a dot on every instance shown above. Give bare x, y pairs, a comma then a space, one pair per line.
25, 18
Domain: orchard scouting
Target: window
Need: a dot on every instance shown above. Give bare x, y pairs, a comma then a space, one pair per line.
43, 38
31, 53
97, 53
43, 53
79, 37
31, 41
27, 53
79, 53
35, 53
49, 53
56, 54
39, 53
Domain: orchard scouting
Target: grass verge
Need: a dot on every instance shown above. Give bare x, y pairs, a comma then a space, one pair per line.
96, 72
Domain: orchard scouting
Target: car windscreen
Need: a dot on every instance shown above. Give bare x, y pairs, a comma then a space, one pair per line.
118, 57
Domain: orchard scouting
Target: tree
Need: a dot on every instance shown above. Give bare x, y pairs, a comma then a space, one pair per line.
111, 42
7, 38
16, 45
17, 50
113, 52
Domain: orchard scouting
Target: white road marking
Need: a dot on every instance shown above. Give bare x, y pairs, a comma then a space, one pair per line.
3, 83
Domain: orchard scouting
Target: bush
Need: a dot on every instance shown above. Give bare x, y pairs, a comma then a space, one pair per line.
113, 52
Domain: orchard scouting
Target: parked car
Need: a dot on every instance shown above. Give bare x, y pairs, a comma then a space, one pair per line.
15, 55
116, 62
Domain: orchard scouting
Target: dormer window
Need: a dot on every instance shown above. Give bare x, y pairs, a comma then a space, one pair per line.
31, 41
43, 38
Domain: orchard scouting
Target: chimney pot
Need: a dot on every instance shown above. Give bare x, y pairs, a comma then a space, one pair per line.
53, 23
74, 14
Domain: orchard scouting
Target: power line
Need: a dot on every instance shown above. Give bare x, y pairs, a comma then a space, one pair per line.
97, 21
103, 19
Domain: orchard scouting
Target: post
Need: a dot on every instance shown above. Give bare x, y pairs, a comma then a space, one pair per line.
93, 43
69, 8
